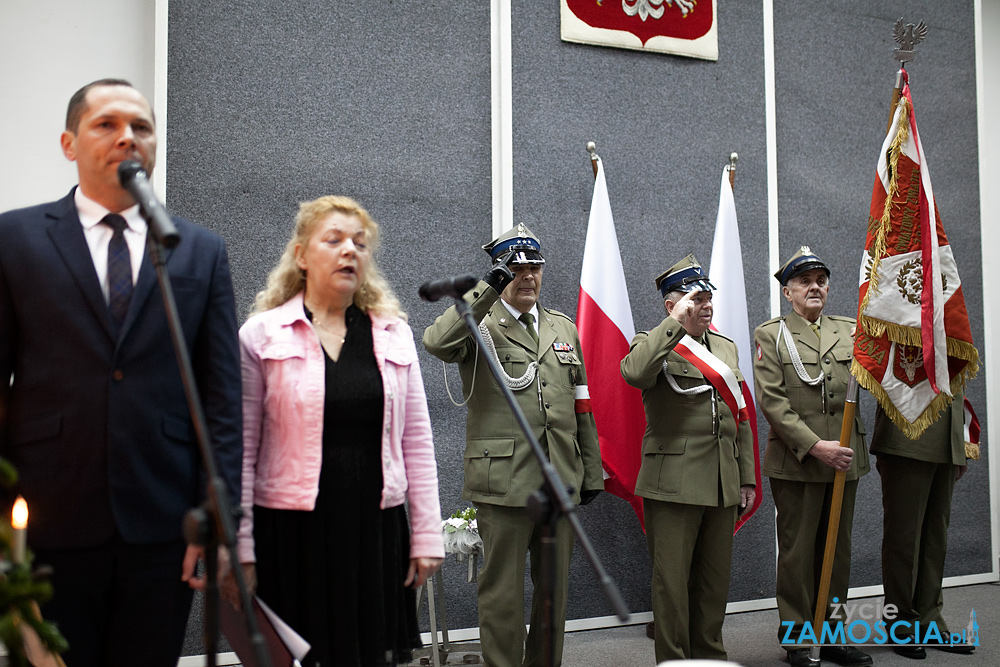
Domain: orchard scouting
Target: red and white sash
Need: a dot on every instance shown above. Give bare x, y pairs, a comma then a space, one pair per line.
718, 373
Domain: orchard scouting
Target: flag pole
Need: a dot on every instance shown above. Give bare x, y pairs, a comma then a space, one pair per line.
907, 37
833, 522
594, 157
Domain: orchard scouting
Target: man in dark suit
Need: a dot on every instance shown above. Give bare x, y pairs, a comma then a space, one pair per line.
92, 408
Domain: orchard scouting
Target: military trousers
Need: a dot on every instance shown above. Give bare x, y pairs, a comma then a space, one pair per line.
508, 538
803, 513
916, 508
691, 548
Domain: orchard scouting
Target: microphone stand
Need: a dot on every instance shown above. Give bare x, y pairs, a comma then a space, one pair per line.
211, 524
546, 506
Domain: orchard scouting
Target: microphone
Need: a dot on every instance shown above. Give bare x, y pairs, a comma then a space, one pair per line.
134, 179
454, 287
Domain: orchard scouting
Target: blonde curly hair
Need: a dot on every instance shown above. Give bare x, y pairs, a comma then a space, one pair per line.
287, 279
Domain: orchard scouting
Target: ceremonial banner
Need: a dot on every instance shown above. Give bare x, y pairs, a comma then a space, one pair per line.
914, 345
680, 27
604, 319
730, 309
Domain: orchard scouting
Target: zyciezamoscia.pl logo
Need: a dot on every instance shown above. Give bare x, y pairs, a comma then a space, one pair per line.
876, 624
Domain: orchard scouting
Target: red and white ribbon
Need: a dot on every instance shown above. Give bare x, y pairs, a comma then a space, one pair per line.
718, 373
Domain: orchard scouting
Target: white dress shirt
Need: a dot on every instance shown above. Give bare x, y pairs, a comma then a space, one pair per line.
98, 236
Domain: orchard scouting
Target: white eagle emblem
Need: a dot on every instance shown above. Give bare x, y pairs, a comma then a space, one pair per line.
654, 8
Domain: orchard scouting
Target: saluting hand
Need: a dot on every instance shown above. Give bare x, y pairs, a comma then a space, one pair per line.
684, 308
832, 454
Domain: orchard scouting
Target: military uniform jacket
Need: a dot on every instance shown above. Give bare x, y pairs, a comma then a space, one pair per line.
800, 414
499, 466
687, 453
942, 442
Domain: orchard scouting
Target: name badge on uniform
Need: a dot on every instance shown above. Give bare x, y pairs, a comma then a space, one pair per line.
562, 347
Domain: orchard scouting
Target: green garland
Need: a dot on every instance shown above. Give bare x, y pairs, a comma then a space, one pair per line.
21, 590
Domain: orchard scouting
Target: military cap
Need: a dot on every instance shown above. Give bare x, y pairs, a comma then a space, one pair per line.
802, 261
521, 241
684, 276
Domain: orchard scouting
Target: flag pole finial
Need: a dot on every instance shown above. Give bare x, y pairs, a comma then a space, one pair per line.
594, 157
733, 157
907, 36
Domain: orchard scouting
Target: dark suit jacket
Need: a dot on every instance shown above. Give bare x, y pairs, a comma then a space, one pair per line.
97, 424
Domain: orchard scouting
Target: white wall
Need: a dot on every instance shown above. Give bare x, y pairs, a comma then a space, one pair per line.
48, 49
989, 147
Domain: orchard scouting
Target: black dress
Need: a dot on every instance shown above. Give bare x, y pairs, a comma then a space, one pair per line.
336, 574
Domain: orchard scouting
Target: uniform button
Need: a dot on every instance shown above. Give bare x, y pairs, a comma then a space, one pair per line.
831, 394
827, 360
670, 332
118, 375
685, 371
507, 358
660, 448
548, 405
829, 376
833, 412
544, 383
475, 295
548, 427
486, 452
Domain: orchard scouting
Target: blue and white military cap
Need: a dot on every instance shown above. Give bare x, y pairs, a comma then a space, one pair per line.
684, 276
803, 260
521, 241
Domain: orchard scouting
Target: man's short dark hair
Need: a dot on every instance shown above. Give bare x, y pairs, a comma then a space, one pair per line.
78, 103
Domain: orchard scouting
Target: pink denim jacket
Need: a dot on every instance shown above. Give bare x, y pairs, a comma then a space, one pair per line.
283, 393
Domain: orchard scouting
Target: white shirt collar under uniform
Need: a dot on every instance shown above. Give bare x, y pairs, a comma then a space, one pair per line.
517, 314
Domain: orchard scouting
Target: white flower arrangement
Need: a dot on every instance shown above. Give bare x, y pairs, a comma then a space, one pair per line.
461, 533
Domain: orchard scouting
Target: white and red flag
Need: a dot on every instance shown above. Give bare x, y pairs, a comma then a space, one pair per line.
604, 319
914, 345
729, 312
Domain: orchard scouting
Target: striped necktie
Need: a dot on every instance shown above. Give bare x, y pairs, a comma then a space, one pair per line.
119, 269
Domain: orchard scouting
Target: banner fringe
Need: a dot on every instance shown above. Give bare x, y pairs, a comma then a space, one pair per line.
913, 430
972, 451
904, 335
880, 233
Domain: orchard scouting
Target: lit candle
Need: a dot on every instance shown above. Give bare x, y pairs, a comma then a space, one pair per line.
19, 522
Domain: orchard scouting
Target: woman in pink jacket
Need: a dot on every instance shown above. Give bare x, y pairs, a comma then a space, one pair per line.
336, 437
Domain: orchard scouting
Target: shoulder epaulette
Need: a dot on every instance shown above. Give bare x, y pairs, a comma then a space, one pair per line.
716, 333
557, 314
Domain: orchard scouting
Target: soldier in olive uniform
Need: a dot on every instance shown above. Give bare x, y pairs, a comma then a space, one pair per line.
539, 350
697, 463
801, 371
918, 479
